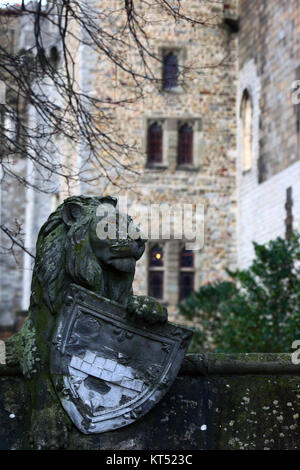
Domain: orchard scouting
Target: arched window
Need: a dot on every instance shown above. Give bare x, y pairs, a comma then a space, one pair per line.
155, 144
247, 130
170, 71
156, 272
185, 145
186, 274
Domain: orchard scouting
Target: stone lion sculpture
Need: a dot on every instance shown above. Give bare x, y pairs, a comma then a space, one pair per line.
70, 251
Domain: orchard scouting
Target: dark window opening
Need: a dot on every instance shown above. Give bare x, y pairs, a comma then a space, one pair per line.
186, 259
156, 284
156, 272
185, 145
170, 71
186, 281
156, 257
155, 143
187, 274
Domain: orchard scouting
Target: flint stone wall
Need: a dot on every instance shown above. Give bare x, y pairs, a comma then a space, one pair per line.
249, 401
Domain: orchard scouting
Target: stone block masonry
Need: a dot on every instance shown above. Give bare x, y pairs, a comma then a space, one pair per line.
269, 35
269, 57
217, 402
218, 65
206, 99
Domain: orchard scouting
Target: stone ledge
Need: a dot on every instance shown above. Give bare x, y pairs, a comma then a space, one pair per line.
212, 364
218, 401
238, 364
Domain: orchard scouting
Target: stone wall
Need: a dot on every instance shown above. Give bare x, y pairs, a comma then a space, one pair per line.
269, 55
263, 58
269, 35
217, 402
207, 97
263, 206
209, 55
21, 205
12, 192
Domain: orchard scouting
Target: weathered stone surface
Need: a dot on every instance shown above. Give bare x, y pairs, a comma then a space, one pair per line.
107, 370
275, 50
268, 65
82, 306
202, 410
14, 413
207, 101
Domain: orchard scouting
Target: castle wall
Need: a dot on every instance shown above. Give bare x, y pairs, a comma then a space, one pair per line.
269, 53
218, 65
12, 195
269, 35
11, 271
207, 98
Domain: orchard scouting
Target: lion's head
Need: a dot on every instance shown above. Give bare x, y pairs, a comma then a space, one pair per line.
86, 241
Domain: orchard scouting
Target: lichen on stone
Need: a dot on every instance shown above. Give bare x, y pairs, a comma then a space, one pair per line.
22, 349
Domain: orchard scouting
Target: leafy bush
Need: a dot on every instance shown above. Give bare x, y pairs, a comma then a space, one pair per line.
258, 311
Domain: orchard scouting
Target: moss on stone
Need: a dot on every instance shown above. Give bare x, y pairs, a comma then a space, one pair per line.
22, 349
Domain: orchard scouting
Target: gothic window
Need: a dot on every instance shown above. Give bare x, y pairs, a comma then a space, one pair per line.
185, 145
156, 272
170, 71
186, 273
247, 127
155, 144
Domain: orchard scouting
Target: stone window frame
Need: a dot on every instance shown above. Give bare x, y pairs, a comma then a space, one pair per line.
181, 53
246, 97
170, 69
171, 287
250, 80
152, 161
170, 126
196, 124
183, 269
185, 155
148, 123
162, 245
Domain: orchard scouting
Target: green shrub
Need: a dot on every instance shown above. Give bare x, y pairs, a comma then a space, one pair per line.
258, 311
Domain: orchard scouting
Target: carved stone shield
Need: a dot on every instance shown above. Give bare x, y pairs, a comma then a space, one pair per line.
108, 370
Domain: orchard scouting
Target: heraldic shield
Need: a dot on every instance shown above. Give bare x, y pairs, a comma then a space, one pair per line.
107, 369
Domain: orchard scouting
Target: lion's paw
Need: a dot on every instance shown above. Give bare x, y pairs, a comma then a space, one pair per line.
147, 309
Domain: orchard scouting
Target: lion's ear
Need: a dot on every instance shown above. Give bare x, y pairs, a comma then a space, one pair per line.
72, 211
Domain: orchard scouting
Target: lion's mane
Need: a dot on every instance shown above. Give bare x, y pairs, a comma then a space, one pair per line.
64, 255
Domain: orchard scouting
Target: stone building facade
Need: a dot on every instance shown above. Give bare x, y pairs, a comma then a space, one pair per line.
23, 210
234, 101
12, 193
269, 60
203, 99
